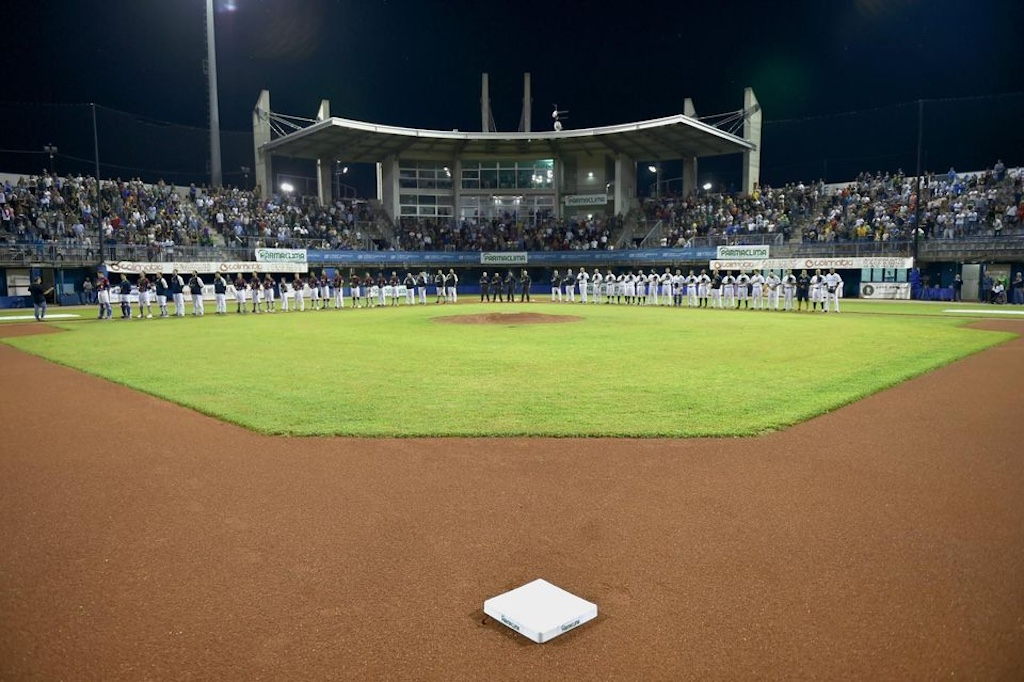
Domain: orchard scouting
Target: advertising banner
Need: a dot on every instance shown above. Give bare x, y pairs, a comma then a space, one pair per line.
890, 290
809, 264
281, 255
513, 258
203, 267
758, 252
572, 200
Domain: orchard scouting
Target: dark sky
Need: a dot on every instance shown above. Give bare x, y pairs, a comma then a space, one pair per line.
418, 62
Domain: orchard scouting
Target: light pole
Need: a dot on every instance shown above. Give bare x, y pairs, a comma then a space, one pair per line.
211, 77
52, 151
656, 169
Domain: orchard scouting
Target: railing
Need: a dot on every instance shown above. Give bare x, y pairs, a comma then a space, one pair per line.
653, 236
1007, 247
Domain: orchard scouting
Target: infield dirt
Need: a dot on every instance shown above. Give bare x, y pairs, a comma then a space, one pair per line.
145, 541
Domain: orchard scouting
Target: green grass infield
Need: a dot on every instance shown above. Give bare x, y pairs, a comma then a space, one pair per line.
619, 372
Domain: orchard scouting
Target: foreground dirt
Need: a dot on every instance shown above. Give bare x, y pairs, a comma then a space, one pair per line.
144, 541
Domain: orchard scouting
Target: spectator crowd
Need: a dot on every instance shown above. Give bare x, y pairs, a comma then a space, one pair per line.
55, 212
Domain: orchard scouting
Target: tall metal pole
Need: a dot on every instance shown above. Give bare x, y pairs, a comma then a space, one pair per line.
95, 144
211, 77
96, 204
917, 207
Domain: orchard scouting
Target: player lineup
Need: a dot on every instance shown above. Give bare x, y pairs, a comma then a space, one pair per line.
263, 293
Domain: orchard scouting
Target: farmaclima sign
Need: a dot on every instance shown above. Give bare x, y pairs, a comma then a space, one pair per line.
281, 255
742, 252
512, 258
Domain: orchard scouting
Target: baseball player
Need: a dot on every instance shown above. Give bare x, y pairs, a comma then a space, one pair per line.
145, 294
569, 286
103, 296
583, 281
818, 291
596, 283
729, 289
439, 287
774, 284
161, 293
410, 289
298, 294
178, 294
788, 290
325, 291
124, 294
742, 290
703, 287
421, 285
195, 287
757, 289
556, 287
240, 287
269, 287
451, 283
803, 287
716, 289
356, 289
667, 295
220, 294
256, 292
833, 289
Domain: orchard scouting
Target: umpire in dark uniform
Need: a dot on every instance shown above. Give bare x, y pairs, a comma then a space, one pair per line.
525, 282
485, 285
510, 286
496, 285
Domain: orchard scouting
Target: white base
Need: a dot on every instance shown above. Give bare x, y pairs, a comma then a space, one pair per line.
540, 611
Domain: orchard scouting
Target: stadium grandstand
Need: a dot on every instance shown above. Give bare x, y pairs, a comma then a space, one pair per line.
546, 199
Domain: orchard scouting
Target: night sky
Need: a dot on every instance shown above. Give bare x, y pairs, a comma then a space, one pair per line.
418, 64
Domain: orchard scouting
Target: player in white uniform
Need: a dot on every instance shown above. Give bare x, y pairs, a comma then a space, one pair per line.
179, 296
596, 282
640, 287
665, 280
583, 280
817, 290
833, 289
703, 283
773, 283
569, 286
678, 288
728, 290
629, 287
195, 287
788, 290
757, 289
742, 284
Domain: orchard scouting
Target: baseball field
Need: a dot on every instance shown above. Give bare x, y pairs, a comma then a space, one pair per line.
743, 494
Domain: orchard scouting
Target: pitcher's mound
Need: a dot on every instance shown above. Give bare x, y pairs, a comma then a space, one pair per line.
507, 318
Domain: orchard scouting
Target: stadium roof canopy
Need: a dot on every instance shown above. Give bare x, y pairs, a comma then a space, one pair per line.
672, 137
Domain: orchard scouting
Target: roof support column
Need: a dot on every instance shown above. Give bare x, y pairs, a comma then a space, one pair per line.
260, 137
689, 163
456, 168
625, 184
324, 167
751, 133
387, 186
